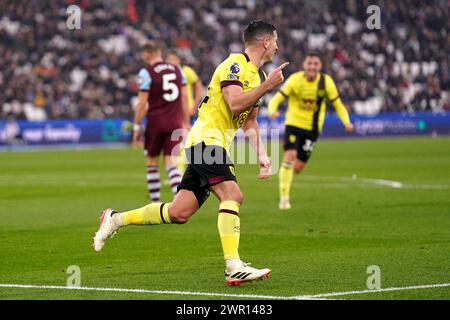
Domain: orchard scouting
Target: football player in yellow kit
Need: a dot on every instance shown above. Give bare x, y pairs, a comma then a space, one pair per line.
194, 87
307, 91
232, 101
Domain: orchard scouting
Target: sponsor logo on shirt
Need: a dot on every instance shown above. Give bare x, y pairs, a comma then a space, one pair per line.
232, 77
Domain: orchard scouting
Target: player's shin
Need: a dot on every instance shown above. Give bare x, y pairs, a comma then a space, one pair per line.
153, 183
174, 178
229, 230
285, 179
154, 213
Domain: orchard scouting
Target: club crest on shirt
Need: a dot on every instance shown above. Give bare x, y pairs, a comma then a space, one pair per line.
235, 68
292, 138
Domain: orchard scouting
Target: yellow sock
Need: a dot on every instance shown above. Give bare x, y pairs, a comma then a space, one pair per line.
229, 228
154, 213
286, 175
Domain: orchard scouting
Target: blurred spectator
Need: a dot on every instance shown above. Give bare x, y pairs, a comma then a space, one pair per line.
13, 135
49, 71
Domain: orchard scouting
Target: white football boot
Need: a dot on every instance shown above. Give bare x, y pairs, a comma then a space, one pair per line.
284, 203
245, 273
108, 229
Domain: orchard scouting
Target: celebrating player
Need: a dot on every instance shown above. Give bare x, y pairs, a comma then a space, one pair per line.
307, 91
236, 87
162, 97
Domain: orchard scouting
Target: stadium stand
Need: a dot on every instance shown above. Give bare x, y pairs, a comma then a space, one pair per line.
50, 72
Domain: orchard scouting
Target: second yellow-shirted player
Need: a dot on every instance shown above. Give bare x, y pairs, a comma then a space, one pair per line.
195, 92
307, 92
194, 87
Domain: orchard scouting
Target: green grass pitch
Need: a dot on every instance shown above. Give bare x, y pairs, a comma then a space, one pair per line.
346, 216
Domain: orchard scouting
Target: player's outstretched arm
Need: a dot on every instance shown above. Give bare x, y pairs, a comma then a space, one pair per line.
139, 113
251, 130
274, 103
341, 111
343, 114
238, 101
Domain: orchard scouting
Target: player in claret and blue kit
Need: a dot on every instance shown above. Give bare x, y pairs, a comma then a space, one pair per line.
163, 100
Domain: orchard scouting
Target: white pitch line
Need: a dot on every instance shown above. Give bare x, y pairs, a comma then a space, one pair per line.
229, 295
348, 293
383, 182
355, 180
185, 293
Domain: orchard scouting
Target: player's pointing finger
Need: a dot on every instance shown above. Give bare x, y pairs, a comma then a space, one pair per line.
282, 66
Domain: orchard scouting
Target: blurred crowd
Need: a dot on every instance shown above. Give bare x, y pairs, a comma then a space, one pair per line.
50, 72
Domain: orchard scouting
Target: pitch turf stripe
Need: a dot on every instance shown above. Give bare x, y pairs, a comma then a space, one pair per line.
348, 293
166, 292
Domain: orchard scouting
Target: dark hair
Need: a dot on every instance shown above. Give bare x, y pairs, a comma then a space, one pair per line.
173, 52
313, 54
255, 29
152, 46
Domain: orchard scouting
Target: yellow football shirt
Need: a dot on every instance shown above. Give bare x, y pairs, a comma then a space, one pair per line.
216, 125
191, 79
302, 103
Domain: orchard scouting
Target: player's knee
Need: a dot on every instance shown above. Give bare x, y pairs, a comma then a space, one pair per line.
298, 167
238, 196
180, 216
180, 219
151, 161
290, 156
